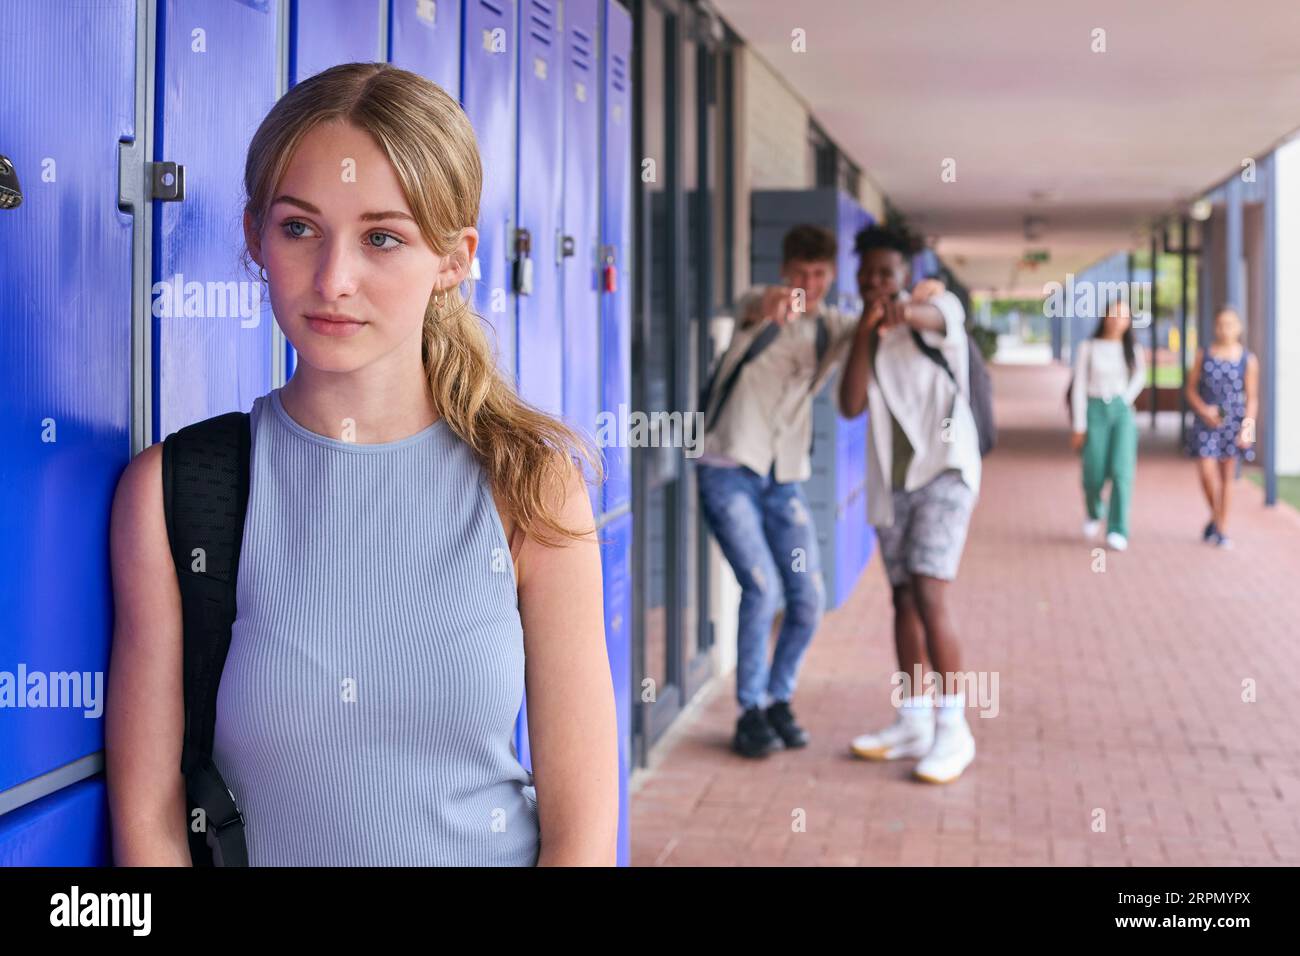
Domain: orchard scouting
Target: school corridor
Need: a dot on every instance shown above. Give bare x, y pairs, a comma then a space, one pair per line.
1125, 732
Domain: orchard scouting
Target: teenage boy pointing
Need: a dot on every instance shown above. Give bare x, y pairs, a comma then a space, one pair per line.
758, 431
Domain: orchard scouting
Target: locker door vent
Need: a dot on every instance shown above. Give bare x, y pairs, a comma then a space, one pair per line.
618, 72
541, 20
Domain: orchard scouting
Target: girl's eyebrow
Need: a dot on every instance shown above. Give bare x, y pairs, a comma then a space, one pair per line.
365, 216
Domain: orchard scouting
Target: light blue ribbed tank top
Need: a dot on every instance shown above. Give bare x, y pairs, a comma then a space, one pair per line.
367, 706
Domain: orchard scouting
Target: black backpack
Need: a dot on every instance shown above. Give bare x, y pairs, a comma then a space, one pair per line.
205, 478
981, 388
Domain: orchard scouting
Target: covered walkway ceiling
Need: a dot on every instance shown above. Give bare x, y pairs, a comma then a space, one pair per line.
1094, 144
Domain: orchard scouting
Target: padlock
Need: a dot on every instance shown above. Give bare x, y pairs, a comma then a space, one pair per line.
523, 268
609, 273
524, 276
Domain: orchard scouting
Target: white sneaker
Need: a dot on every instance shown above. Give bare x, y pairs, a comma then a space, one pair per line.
1091, 529
1116, 541
952, 752
911, 735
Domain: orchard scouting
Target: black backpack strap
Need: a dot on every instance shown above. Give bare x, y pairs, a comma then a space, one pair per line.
823, 341
756, 348
205, 495
932, 353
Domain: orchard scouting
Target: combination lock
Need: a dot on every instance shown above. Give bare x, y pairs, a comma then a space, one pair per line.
11, 195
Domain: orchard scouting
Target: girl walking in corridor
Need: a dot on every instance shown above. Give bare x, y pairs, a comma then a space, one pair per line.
1108, 375
1223, 391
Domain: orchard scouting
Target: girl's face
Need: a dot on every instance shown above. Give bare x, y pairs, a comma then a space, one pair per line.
339, 240
1117, 320
1227, 327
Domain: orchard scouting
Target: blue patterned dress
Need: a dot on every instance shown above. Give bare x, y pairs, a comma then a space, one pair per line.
1222, 384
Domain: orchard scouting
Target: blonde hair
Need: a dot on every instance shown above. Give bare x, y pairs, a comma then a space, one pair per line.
431, 145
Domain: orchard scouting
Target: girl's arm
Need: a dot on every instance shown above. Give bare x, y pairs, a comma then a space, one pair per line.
572, 722
1193, 392
144, 718
1246, 436
1137, 380
1079, 388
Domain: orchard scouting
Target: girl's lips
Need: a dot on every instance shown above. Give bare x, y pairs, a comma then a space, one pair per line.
326, 327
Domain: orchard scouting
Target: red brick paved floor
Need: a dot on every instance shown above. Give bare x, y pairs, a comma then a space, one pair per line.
1121, 692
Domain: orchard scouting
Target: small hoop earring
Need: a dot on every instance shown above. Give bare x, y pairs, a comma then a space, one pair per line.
440, 302
261, 270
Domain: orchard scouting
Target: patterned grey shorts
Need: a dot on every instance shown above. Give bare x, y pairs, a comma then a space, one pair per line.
929, 529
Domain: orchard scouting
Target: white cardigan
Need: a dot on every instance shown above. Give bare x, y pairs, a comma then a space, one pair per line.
1100, 372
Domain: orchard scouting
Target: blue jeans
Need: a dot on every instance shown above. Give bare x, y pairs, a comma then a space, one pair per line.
767, 535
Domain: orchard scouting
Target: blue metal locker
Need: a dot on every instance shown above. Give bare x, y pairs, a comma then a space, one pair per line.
540, 194
614, 265
67, 94
325, 33
424, 37
220, 360
616, 567
490, 96
66, 828
581, 294
616, 240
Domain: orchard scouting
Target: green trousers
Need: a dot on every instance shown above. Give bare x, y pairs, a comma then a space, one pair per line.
1110, 452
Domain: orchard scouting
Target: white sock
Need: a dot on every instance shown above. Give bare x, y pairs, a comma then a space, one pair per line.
951, 709
915, 709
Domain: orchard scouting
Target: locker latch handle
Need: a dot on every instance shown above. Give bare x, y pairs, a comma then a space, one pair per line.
166, 181
568, 247
11, 194
523, 268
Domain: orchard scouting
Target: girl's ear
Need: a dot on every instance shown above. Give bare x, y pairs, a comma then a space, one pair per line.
252, 239
456, 266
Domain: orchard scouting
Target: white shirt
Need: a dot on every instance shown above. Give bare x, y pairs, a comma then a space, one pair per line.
933, 413
1101, 372
767, 421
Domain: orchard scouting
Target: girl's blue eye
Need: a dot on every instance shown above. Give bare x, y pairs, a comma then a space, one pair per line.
386, 235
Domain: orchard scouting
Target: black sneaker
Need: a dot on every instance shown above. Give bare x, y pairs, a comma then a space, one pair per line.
754, 735
1209, 533
782, 720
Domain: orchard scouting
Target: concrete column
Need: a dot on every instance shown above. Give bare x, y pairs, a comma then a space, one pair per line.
1285, 250
1232, 220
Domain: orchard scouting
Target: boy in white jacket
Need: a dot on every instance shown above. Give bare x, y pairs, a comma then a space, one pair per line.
923, 475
